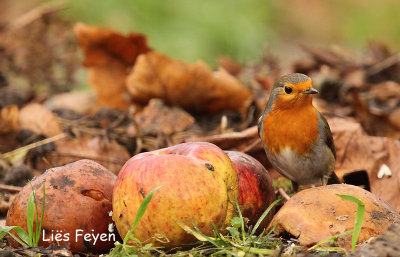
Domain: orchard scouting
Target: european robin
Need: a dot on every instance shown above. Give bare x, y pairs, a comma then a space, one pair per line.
296, 137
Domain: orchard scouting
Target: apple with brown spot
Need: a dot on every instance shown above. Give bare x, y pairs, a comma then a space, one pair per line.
199, 183
77, 205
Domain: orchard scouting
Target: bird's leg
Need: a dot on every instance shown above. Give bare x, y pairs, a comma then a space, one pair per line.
295, 187
332, 179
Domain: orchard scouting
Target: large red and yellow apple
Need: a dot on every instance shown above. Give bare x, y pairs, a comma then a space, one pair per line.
199, 185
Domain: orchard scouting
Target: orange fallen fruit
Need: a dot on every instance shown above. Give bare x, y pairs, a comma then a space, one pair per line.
77, 206
316, 214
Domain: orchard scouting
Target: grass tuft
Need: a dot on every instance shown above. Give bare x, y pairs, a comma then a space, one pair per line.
239, 241
125, 250
359, 218
32, 237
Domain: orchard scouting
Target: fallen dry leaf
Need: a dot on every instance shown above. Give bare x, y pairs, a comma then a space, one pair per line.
13, 95
395, 117
384, 64
40, 120
356, 150
108, 153
108, 58
9, 119
8, 142
374, 111
384, 96
334, 57
157, 118
315, 214
194, 87
86, 100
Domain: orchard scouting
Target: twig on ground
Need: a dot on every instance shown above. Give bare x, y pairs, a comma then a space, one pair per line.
283, 194
33, 145
10, 188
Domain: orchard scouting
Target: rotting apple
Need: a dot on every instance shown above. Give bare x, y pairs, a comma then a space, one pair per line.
199, 183
256, 192
77, 203
315, 214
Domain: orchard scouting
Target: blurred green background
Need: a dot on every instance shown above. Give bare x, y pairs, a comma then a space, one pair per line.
186, 29
206, 29
192, 30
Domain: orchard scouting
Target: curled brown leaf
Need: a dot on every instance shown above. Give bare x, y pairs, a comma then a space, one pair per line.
194, 87
108, 58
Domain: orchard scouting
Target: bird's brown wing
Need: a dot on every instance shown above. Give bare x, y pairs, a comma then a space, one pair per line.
326, 134
260, 124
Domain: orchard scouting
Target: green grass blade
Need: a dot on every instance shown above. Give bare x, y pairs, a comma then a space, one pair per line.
330, 239
140, 212
265, 213
199, 236
234, 233
131, 249
225, 253
35, 234
18, 240
241, 218
330, 249
261, 235
216, 232
359, 218
117, 251
217, 243
30, 214
23, 236
39, 228
267, 235
236, 222
136, 240
5, 230
254, 250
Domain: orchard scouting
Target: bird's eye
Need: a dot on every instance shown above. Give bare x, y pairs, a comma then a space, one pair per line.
288, 90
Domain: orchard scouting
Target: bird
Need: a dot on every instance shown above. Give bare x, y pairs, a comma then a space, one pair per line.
296, 137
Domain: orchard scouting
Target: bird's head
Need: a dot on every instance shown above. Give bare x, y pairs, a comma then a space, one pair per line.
292, 91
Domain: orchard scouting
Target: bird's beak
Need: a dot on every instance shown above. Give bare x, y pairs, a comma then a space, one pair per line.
310, 91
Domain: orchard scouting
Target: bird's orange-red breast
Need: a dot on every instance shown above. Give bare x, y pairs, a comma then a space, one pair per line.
296, 137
